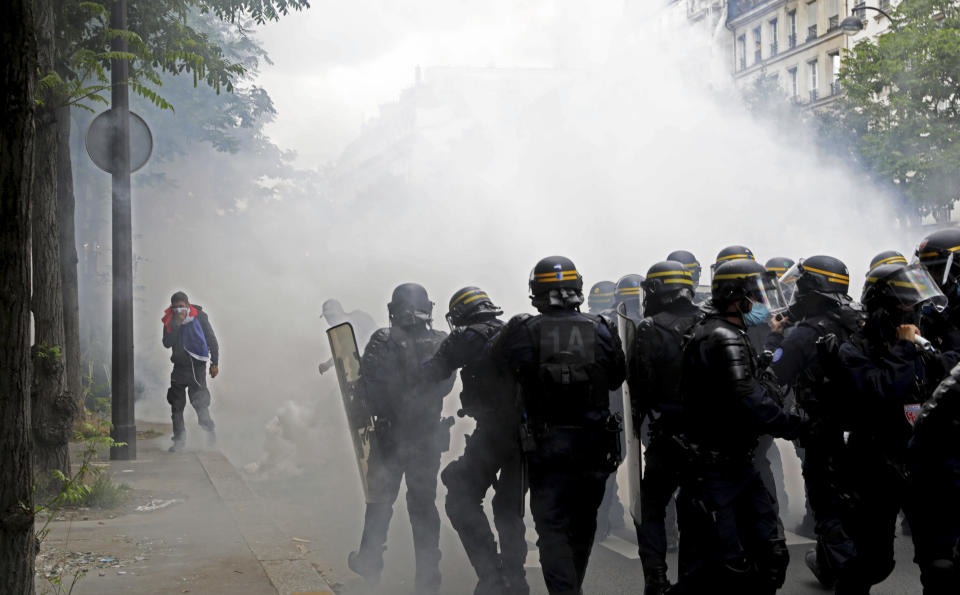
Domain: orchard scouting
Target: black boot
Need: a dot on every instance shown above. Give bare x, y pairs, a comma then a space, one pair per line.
179, 432
367, 563
655, 581
823, 573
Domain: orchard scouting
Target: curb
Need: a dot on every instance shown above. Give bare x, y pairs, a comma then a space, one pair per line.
284, 565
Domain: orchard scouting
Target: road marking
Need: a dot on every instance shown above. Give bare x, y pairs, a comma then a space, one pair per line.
621, 546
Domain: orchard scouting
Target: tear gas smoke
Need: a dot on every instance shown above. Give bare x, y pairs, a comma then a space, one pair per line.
469, 178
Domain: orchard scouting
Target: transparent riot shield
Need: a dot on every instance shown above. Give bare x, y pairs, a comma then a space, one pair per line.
634, 460
346, 358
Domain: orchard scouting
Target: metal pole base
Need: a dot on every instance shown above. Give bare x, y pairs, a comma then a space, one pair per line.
128, 435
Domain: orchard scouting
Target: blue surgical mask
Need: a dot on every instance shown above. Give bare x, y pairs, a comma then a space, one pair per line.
757, 315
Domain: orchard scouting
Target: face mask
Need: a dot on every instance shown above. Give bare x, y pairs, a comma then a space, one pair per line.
757, 315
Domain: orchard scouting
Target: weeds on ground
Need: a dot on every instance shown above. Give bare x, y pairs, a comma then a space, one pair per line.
90, 486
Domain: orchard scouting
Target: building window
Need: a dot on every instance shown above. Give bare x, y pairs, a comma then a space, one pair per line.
742, 52
833, 22
811, 21
774, 38
792, 29
794, 88
834, 73
814, 80
757, 46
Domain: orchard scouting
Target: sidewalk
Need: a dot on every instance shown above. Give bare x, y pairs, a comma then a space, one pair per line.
191, 525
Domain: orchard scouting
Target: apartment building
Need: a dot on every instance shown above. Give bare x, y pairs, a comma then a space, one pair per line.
797, 43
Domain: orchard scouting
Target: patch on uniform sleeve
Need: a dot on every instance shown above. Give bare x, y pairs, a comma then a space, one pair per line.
777, 355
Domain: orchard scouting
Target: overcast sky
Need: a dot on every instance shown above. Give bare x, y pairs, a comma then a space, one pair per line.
335, 63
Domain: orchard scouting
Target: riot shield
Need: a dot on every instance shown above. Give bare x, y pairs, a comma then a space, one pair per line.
346, 358
634, 460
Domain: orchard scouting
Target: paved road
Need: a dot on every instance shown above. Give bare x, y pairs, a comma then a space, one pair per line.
328, 514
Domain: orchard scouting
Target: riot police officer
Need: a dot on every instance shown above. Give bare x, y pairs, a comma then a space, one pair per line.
938, 253
779, 265
819, 306
489, 397
767, 457
731, 542
690, 262
566, 363
886, 378
887, 257
933, 458
654, 381
601, 297
410, 434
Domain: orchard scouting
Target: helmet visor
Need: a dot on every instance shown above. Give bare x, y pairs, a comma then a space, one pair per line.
913, 285
765, 289
788, 284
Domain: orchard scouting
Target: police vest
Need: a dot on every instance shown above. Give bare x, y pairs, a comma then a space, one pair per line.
568, 379
485, 389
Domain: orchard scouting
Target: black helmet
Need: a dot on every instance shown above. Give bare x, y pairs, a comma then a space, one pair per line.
471, 303
890, 286
886, 257
734, 253
556, 282
630, 293
741, 279
779, 265
410, 305
821, 275
601, 296
666, 281
937, 253
689, 261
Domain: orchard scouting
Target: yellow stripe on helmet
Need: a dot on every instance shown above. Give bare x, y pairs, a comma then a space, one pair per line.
890, 260
827, 273
629, 291
727, 276
682, 281
542, 276
477, 297
464, 295
668, 273
735, 256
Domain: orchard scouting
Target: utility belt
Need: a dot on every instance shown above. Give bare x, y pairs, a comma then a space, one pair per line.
701, 457
609, 428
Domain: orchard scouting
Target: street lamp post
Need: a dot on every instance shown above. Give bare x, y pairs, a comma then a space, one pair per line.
853, 25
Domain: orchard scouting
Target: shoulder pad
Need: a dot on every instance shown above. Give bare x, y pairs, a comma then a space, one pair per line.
646, 324
608, 320
380, 336
519, 320
724, 334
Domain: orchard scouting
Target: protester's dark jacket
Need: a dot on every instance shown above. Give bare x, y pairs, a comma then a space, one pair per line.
174, 340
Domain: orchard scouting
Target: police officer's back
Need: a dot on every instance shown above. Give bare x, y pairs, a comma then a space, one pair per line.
566, 363
492, 454
654, 381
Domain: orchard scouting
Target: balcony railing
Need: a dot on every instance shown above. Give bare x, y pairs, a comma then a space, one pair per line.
814, 95
743, 63
835, 88
773, 49
757, 57
834, 23
792, 40
811, 32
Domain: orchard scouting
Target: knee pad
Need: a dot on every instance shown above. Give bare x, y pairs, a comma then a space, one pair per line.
773, 564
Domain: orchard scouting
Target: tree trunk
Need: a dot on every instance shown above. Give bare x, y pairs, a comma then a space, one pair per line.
51, 407
66, 208
18, 67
